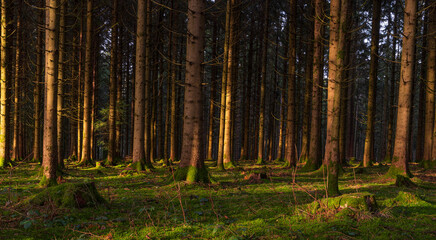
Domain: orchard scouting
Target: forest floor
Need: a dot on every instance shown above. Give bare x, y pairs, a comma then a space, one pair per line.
240, 205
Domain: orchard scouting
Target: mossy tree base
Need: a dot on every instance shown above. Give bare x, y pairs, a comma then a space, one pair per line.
322, 172
402, 181
260, 161
406, 199
310, 167
359, 201
142, 166
229, 165
427, 164
394, 171
69, 195
191, 175
45, 182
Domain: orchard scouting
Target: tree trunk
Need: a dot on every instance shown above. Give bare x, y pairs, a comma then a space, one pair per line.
213, 81
221, 143
111, 157
368, 155
60, 95
49, 161
260, 149
37, 90
401, 150
173, 131
429, 160
4, 78
148, 87
192, 167
314, 160
336, 42
138, 126
87, 90
291, 134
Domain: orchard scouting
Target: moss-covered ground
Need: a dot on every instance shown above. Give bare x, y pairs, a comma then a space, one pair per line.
234, 206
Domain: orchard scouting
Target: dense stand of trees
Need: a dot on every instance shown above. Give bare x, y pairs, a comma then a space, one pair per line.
309, 82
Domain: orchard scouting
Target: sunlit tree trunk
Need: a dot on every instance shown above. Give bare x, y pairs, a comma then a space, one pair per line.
261, 132
87, 89
49, 161
192, 167
291, 134
220, 160
16, 151
227, 157
429, 158
60, 94
314, 160
4, 78
138, 127
173, 124
401, 150
148, 87
336, 47
111, 157
213, 81
370, 124
37, 89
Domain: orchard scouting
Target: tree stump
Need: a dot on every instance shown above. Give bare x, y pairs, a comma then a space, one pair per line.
69, 195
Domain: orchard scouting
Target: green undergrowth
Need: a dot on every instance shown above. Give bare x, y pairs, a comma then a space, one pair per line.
283, 205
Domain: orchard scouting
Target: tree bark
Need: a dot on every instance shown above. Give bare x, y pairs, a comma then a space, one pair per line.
192, 167
429, 157
369, 139
49, 161
260, 152
314, 160
111, 157
138, 126
87, 90
401, 150
291, 133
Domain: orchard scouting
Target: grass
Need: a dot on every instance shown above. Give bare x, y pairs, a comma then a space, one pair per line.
145, 206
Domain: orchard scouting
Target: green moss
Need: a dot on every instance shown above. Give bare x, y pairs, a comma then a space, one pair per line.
363, 201
393, 172
406, 199
69, 195
229, 165
428, 164
3, 162
44, 182
260, 161
192, 174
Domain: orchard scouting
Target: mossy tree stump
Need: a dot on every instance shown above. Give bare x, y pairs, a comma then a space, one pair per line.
360, 201
69, 195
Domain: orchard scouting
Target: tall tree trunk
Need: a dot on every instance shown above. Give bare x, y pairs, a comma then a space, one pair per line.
291, 133
60, 95
221, 143
260, 151
368, 155
331, 158
37, 90
213, 81
4, 78
192, 167
87, 90
314, 160
227, 157
138, 126
173, 124
307, 99
401, 150
49, 161
389, 140
17, 86
111, 157
429, 160
148, 87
